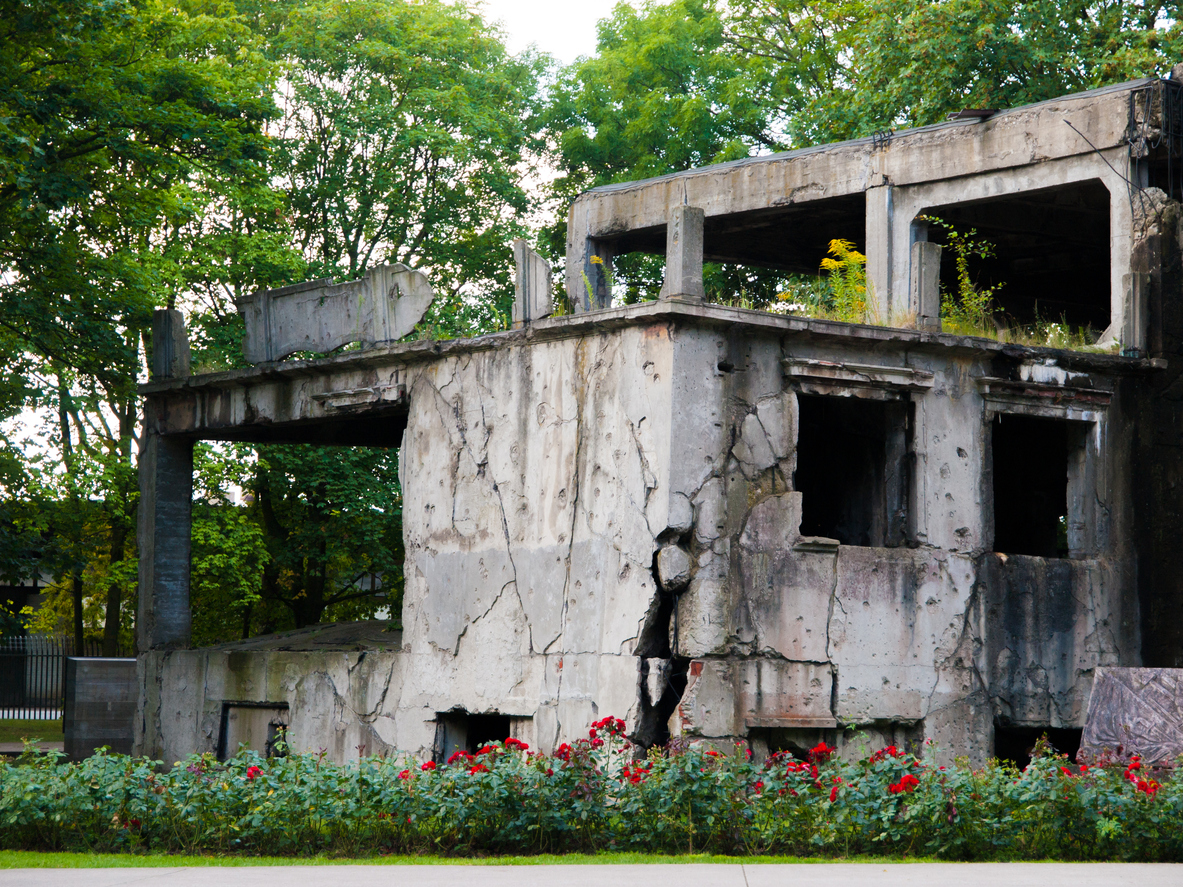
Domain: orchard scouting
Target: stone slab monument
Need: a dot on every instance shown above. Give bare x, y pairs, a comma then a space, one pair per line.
1135, 711
532, 285
323, 315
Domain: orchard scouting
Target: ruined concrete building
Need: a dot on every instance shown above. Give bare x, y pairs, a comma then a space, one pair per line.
731, 524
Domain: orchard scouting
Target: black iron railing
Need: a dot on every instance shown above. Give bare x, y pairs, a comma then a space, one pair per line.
33, 672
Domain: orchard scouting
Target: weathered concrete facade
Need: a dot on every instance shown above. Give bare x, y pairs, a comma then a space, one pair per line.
729, 524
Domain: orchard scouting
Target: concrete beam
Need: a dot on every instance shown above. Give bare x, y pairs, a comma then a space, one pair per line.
1019, 137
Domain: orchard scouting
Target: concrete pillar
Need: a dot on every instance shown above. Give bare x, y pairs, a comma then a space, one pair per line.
170, 345
683, 254
588, 276
532, 285
926, 285
166, 494
879, 252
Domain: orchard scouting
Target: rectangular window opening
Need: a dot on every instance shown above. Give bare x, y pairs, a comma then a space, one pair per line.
258, 726
852, 469
1033, 458
1015, 744
751, 259
1048, 254
459, 731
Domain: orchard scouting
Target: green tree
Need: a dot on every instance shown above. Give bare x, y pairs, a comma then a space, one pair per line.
118, 121
333, 523
405, 126
857, 66
665, 91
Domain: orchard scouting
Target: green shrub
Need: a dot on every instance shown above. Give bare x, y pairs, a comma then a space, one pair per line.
598, 793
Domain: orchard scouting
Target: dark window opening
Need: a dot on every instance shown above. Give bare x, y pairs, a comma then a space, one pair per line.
460, 731
259, 726
1051, 253
851, 469
794, 742
750, 256
1015, 744
1030, 478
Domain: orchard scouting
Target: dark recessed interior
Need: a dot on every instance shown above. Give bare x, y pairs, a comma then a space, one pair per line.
1014, 744
793, 238
373, 427
848, 469
461, 731
1051, 252
1030, 485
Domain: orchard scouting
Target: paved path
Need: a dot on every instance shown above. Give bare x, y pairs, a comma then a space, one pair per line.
656, 875
15, 748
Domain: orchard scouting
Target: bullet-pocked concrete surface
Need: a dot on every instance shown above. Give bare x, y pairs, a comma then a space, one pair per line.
820, 875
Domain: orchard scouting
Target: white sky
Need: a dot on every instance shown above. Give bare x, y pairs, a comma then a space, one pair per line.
564, 28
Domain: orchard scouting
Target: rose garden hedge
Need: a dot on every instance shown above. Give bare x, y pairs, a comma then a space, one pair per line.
596, 795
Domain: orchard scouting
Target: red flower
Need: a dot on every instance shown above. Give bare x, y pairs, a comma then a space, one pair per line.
430, 765
478, 768
406, 774
906, 785
834, 794
516, 744
820, 753
890, 752
459, 756
759, 787
253, 773
1067, 772
713, 753
563, 752
550, 772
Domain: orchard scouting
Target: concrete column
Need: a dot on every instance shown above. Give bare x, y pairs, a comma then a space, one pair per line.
879, 253
166, 493
170, 345
683, 254
590, 268
926, 285
532, 285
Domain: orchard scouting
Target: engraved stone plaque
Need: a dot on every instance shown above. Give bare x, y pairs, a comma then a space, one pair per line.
1136, 710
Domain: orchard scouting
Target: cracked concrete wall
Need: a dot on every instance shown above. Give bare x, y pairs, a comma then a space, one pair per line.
536, 485
939, 638
595, 520
339, 701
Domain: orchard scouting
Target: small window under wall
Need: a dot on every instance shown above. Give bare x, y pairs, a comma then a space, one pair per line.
1015, 744
460, 731
259, 726
852, 469
1033, 460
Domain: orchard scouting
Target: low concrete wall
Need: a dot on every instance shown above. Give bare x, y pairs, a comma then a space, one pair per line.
100, 705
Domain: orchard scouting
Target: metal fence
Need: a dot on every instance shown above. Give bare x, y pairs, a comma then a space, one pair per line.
32, 675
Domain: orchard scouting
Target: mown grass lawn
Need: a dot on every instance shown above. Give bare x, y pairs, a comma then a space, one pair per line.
24, 859
46, 731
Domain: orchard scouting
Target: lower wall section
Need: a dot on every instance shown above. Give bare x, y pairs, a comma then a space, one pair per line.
336, 701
